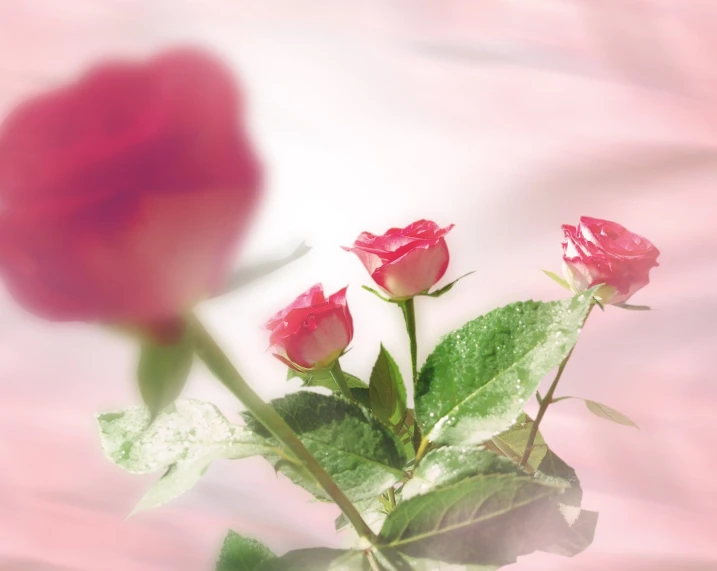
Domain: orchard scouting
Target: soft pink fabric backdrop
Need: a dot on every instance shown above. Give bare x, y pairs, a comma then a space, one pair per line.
506, 118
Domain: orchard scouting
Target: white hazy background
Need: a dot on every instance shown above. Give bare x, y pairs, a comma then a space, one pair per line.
507, 118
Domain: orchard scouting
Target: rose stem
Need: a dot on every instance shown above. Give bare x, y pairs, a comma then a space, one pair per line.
545, 403
409, 314
392, 497
219, 364
373, 564
337, 375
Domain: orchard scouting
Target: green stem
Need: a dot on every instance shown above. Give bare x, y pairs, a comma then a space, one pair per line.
219, 364
373, 564
545, 403
420, 451
392, 497
337, 375
409, 315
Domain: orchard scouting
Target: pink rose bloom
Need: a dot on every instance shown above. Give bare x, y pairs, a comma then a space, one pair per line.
405, 261
312, 332
602, 252
124, 194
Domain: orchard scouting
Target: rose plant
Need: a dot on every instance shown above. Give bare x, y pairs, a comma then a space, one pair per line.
123, 197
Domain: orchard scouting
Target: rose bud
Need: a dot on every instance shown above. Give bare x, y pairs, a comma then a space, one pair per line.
602, 252
124, 194
312, 332
405, 261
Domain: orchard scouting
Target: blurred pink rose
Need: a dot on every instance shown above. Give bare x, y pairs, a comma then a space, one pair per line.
405, 261
124, 194
598, 251
312, 332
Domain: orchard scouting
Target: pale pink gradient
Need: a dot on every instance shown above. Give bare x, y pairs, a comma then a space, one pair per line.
505, 118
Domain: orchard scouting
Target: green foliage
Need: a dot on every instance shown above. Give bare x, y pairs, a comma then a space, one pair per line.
183, 441
484, 520
512, 443
451, 464
362, 455
245, 276
446, 288
632, 307
242, 553
604, 411
377, 294
475, 382
557, 279
386, 391
323, 378
317, 559
572, 528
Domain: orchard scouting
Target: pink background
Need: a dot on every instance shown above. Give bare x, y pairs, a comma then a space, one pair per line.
507, 118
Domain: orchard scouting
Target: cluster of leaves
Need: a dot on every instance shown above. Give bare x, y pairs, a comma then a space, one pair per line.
440, 484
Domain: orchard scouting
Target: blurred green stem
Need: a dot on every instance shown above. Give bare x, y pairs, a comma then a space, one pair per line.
219, 364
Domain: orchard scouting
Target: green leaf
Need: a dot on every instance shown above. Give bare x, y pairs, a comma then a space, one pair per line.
604, 411
391, 560
446, 288
574, 529
570, 525
555, 471
475, 382
371, 512
633, 307
513, 441
431, 565
245, 276
362, 455
354, 560
362, 396
557, 279
406, 433
183, 441
546, 466
387, 391
577, 537
485, 520
316, 559
242, 553
377, 294
451, 464
323, 378
163, 370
